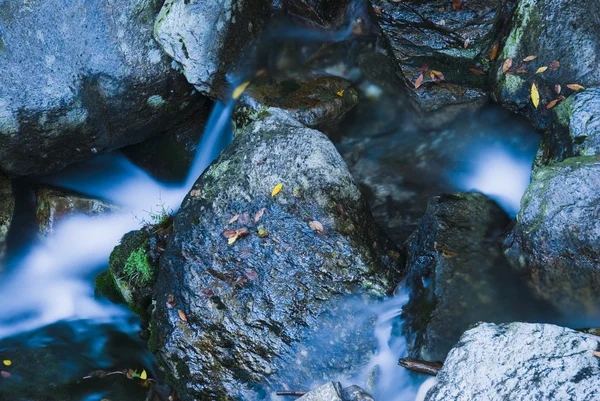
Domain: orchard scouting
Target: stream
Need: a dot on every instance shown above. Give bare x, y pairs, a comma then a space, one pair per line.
56, 330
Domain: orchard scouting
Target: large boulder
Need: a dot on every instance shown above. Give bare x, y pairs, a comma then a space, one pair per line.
520, 362
454, 38
555, 242
455, 266
81, 79
560, 31
7, 208
207, 37
255, 269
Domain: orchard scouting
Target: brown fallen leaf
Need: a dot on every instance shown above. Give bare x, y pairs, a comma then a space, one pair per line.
423, 68
575, 87
596, 353
448, 254
557, 88
554, 65
466, 43
4, 374
521, 69
507, 64
182, 315
170, 301
252, 275
229, 233
457, 5
316, 226
233, 219
244, 219
208, 292
259, 214
242, 232
195, 192
552, 104
541, 69
529, 58
476, 71
419, 81
494, 51
437, 76
377, 10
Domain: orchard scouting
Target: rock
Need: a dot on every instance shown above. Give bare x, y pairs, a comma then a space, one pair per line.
169, 155
431, 35
454, 266
355, 393
318, 103
53, 206
79, 80
7, 208
331, 391
561, 30
322, 12
555, 242
575, 131
207, 37
133, 267
247, 308
520, 362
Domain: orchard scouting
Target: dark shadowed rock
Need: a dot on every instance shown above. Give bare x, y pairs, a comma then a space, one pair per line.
318, 103
78, 80
520, 362
562, 30
432, 35
7, 208
454, 267
244, 306
322, 12
555, 242
54, 205
207, 37
355, 393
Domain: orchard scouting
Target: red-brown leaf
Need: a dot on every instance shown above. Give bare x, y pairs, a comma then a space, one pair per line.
494, 52
229, 233
529, 58
182, 315
259, 214
476, 71
419, 81
233, 219
437, 76
507, 64
552, 104
4, 374
554, 65
170, 301
252, 275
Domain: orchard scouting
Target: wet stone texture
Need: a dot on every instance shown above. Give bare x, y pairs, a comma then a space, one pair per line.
77, 81
553, 30
520, 362
321, 12
7, 208
207, 37
53, 206
456, 273
318, 103
232, 312
555, 242
435, 35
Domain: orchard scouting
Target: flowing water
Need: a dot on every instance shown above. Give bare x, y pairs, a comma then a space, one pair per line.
52, 322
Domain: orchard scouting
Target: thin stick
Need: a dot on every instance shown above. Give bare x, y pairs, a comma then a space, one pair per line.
429, 368
292, 393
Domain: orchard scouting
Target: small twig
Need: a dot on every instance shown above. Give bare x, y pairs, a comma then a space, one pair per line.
292, 393
429, 368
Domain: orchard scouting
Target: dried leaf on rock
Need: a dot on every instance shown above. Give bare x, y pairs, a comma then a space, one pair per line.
494, 52
262, 233
229, 233
170, 301
259, 214
437, 76
541, 69
144, 375
242, 232
4, 374
233, 219
7, 362
476, 71
554, 65
535, 95
244, 219
457, 5
596, 353
276, 189
575, 87
237, 92
195, 192
529, 58
557, 88
340, 93
419, 81
182, 315
507, 64
552, 104
316, 226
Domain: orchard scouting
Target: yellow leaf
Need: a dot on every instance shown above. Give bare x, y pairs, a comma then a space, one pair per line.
575, 87
276, 189
239, 90
231, 240
541, 69
535, 96
340, 93
7, 362
144, 375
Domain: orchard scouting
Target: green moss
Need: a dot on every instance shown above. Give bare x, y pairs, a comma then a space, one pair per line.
137, 270
105, 284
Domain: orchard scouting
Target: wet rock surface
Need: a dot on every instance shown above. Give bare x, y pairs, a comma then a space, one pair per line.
207, 37
78, 80
248, 291
53, 205
7, 207
520, 361
322, 12
552, 30
556, 238
318, 103
456, 273
449, 37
